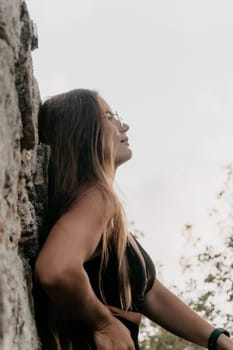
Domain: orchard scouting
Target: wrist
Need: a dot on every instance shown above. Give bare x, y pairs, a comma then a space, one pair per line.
103, 320
218, 339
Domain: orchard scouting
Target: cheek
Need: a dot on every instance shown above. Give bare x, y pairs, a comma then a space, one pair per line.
117, 141
115, 136
113, 142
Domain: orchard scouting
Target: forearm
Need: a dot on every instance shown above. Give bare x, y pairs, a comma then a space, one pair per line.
167, 310
74, 297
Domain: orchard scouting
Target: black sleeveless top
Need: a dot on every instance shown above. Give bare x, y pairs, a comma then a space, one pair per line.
76, 332
140, 282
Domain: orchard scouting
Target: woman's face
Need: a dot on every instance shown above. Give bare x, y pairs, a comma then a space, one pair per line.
117, 130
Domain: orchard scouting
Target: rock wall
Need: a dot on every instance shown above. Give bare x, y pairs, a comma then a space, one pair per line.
19, 100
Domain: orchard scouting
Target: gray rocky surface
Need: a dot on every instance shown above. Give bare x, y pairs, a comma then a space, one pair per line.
19, 101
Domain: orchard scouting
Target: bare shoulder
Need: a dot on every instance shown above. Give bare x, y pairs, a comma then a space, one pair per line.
85, 219
76, 235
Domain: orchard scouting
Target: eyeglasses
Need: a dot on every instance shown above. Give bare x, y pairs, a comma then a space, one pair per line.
115, 115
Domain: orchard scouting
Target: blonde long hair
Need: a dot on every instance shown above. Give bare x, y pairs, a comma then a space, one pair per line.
72, 124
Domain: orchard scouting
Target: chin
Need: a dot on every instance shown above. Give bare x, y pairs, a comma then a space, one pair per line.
124, 157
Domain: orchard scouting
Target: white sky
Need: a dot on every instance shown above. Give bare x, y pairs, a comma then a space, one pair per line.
167, 67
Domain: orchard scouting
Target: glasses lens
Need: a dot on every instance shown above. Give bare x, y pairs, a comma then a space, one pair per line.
120, 120
116, 116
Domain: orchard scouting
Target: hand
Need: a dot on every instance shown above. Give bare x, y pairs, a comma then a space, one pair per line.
114, 336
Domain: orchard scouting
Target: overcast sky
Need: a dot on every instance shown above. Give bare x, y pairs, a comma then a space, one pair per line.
167, 67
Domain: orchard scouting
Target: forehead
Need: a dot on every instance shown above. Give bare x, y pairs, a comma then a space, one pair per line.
104, 105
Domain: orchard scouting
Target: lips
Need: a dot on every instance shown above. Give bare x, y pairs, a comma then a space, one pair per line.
125, 139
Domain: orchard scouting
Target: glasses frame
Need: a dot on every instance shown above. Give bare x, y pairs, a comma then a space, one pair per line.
115, 115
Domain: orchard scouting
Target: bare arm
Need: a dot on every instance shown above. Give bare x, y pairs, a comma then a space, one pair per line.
164, 308
59, 267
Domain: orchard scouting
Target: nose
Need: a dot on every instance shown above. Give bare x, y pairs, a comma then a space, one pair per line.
124, 127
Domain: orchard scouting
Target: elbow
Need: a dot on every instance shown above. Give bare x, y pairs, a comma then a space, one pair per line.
45, 275
50, 276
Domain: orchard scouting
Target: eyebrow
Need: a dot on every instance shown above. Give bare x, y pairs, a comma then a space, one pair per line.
109, 112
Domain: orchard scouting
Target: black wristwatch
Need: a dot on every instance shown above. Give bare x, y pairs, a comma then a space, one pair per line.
212, 342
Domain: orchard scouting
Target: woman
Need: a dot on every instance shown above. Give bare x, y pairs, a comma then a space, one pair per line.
96, 280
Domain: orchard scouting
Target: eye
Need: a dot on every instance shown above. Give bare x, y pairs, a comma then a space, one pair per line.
109, 115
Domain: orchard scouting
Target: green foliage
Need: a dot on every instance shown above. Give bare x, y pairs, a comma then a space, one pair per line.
214, 299
210, 295
153, 337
